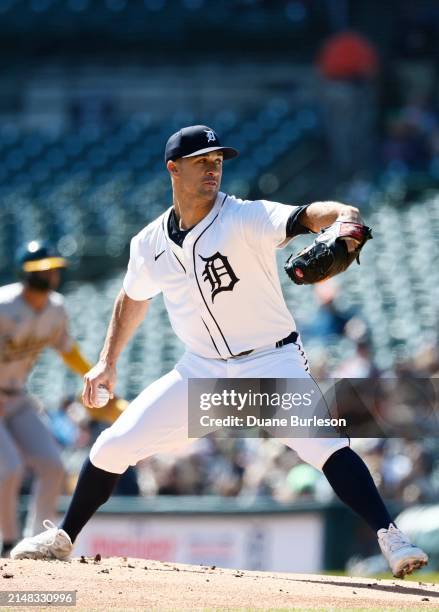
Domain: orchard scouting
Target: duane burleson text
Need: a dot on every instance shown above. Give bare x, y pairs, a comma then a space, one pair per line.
253, 421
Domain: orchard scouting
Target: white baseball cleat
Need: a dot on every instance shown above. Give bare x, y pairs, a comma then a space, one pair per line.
53, 543
400, 553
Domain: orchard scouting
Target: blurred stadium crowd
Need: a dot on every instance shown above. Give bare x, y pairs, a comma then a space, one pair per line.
406, 471
81, 163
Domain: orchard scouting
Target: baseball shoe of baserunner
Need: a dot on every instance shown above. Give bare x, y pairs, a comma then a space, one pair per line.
54, 543
402, 556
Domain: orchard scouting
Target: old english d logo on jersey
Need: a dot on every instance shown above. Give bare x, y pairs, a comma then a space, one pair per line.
219, 273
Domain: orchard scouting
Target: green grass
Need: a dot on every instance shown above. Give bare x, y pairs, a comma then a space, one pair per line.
417, 577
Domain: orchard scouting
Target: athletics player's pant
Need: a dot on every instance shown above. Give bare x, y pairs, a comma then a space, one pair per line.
26, 442
156, 421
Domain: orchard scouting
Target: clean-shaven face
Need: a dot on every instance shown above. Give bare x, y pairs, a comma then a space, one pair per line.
201, 174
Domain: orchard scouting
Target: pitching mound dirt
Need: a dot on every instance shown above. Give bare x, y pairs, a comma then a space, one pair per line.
128, 584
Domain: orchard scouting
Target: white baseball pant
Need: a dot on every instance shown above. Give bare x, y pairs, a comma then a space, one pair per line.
156, 421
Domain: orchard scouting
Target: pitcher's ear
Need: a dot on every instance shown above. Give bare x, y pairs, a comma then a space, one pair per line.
172, 167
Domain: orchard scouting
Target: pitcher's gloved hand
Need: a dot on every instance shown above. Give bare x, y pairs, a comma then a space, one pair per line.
329, 254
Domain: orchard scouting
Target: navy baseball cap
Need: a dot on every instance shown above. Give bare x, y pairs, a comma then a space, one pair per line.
39, 256
195, 140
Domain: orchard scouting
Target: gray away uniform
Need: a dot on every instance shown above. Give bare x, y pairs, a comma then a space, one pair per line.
24, 440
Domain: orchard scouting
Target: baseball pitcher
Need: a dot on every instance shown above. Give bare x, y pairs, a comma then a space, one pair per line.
213, 257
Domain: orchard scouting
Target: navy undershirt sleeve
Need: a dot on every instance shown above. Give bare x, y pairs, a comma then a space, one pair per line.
294, 227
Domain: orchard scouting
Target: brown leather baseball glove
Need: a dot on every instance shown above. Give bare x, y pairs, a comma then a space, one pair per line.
329, 254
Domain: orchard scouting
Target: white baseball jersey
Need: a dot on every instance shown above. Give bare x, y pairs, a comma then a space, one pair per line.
24, 332
223, 295
221, 288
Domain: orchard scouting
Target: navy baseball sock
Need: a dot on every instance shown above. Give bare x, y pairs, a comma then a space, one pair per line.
351, 480
93, 489
7, 546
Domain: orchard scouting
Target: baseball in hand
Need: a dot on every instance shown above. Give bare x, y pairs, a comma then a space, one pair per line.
102, 396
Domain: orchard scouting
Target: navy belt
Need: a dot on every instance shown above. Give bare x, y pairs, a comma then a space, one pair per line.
290, 339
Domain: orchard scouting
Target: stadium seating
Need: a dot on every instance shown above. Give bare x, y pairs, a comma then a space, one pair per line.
89, 191
396, 293
110, 183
